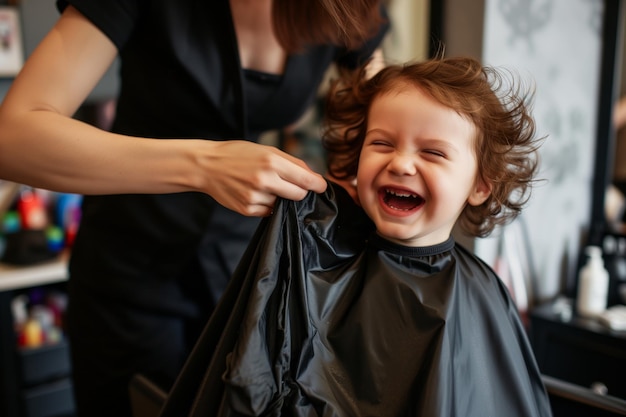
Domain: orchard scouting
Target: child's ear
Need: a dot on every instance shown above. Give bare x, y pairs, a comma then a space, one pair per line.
480, 193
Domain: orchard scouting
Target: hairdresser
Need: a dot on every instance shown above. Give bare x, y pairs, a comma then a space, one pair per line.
175, 189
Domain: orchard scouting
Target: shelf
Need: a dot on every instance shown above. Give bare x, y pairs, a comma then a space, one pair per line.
14, 277
578, 350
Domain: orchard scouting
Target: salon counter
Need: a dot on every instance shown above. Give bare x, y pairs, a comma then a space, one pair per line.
579, 350
14, 277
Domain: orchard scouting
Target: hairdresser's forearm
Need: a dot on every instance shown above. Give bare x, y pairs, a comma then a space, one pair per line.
48, 150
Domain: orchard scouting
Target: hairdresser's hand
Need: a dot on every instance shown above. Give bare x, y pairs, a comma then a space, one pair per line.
247, 177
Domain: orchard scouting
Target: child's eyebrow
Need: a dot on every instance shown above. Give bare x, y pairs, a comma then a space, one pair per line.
375, 130
438, 142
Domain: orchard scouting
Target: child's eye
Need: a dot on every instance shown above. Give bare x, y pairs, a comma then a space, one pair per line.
434, 152
380, 142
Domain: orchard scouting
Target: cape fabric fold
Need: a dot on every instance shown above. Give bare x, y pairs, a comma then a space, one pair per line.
325, 318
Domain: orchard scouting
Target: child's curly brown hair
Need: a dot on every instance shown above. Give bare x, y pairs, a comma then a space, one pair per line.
506, 147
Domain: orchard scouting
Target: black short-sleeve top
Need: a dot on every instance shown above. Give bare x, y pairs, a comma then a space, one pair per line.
180, 71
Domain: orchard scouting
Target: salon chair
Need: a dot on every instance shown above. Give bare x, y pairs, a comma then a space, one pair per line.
570, 400
146, 398
566, 399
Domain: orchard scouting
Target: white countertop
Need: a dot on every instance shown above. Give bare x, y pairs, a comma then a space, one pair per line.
14, 277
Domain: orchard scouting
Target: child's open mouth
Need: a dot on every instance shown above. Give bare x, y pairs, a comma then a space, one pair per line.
401, 200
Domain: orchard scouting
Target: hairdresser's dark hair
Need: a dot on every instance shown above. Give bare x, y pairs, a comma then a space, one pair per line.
347, 23
505, 146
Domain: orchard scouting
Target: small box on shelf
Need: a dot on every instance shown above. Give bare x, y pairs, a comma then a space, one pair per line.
44, 364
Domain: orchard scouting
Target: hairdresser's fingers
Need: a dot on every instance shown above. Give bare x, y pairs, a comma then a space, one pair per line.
297, 176
248, 177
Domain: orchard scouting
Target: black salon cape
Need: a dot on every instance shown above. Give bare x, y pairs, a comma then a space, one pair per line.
324, 318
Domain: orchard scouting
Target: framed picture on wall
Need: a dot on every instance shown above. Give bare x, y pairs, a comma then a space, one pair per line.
11, 44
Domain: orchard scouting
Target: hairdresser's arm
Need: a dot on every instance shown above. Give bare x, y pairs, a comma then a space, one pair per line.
41, 145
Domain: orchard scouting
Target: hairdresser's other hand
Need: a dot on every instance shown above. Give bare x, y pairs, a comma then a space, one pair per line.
248, 177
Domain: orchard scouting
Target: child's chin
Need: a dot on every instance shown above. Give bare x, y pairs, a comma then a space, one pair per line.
392, 233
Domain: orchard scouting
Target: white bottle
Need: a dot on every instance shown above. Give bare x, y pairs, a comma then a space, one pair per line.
593, 284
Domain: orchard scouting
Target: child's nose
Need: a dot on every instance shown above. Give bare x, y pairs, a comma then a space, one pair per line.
403, 163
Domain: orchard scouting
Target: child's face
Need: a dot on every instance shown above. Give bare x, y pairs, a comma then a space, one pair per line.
417, 168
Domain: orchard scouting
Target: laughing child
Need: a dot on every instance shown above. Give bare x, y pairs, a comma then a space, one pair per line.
372, 309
